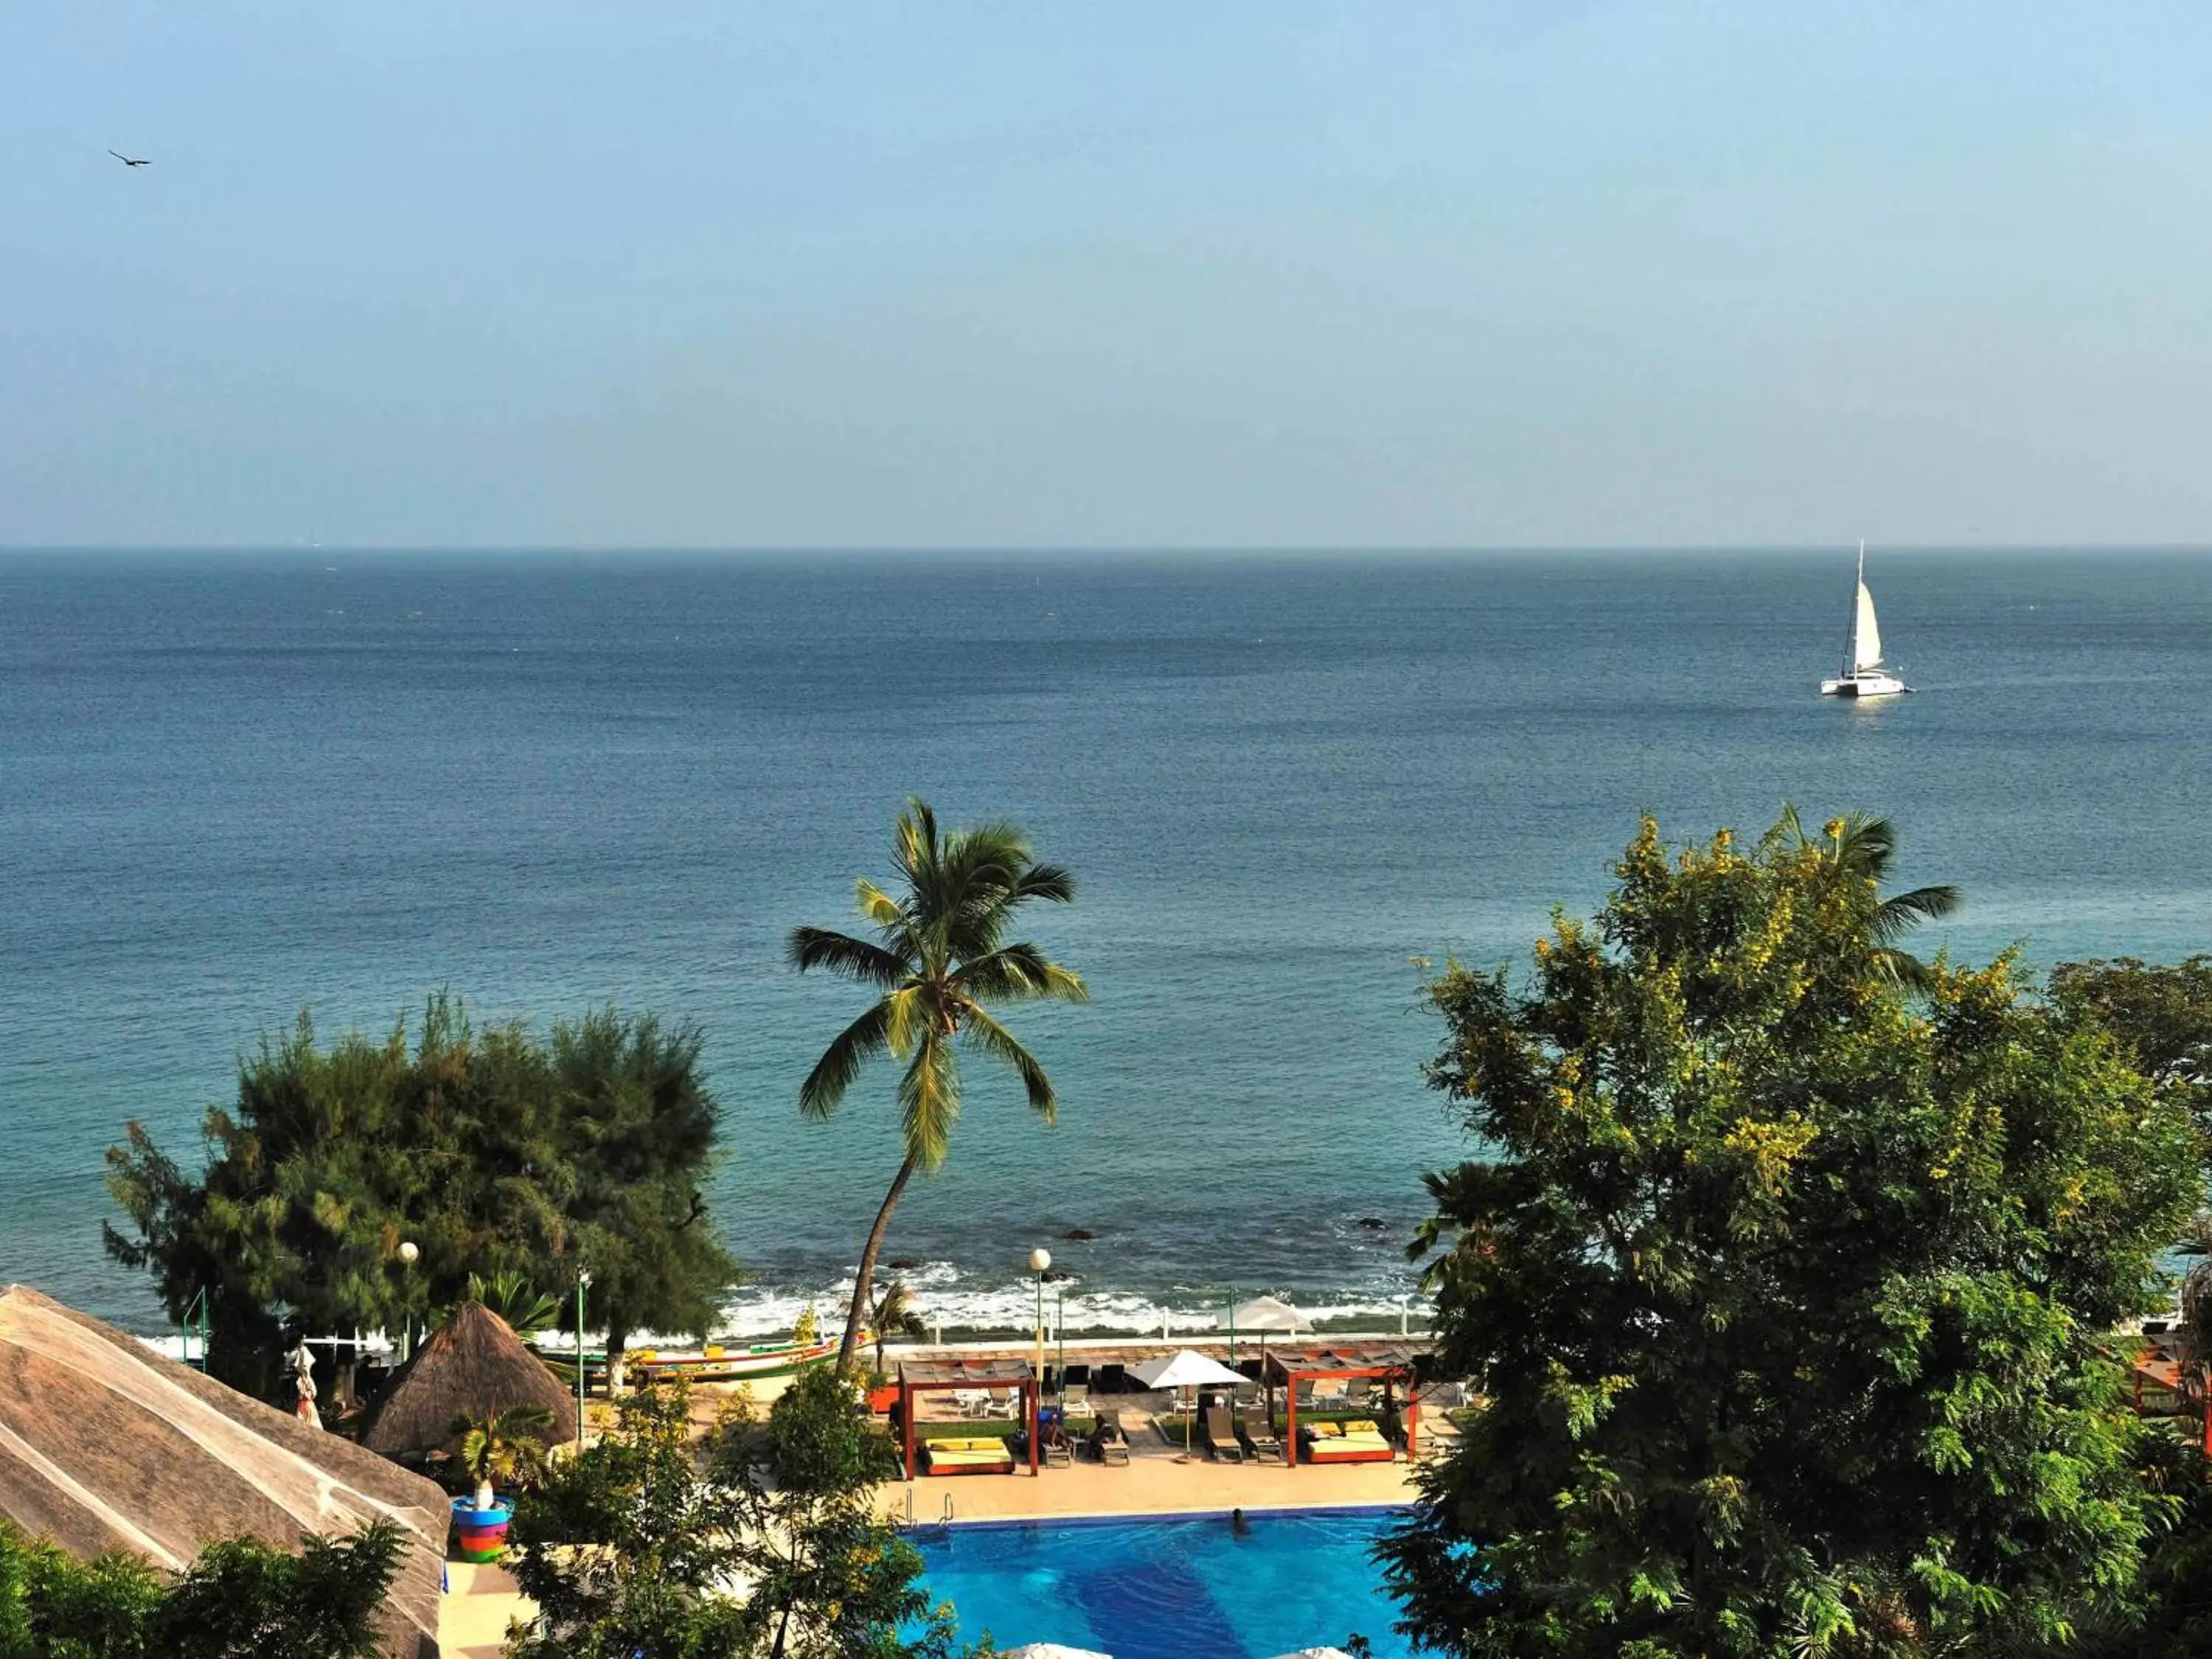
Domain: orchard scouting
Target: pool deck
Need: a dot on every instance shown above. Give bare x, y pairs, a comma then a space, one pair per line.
1148, 1485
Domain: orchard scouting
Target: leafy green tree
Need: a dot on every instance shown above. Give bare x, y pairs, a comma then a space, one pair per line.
55, 1606
242, 1599
643, 1546
1787, 1295
941, 958
2162, 1013
245, 1599
633, 1099
492, 1153
831, 1580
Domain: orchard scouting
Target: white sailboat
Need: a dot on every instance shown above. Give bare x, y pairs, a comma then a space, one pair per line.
1863, 675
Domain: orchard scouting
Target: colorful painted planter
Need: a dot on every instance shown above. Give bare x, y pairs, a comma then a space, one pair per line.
481, 1533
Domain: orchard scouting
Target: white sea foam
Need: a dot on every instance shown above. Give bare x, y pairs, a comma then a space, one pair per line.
947, 1298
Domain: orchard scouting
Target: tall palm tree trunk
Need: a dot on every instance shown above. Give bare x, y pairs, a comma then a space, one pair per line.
865, 1279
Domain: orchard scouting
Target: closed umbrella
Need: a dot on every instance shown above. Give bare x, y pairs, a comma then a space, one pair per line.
1185, 1370
1264, 1313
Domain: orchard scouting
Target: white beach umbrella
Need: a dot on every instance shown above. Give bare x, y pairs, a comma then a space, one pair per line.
1053, 1650
1185, 1370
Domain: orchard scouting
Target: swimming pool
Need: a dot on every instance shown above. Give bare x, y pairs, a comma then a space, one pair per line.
1171, 1586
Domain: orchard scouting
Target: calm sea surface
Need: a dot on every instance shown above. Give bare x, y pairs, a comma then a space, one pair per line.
233, 788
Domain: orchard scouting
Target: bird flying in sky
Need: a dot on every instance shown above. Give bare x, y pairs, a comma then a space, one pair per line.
131, 161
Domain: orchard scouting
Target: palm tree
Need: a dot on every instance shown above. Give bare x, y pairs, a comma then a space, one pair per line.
527, 1309
940, 958
1864, 846
500, 1445
894, 1314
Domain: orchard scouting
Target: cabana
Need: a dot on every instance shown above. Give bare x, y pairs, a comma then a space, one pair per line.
473, 1363
1392, 1364
918, 1376
106, 1445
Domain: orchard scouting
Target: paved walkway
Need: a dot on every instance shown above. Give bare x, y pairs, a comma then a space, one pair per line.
1148, 1485
473, 1618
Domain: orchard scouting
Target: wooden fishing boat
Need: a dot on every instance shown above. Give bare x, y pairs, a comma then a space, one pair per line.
714, 1363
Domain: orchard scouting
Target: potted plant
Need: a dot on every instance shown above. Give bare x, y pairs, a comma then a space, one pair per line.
495, 1447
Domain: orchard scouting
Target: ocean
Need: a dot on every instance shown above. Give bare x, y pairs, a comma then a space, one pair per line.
231, 787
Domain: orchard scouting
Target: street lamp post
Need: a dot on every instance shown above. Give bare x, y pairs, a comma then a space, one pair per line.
1060, 1328
583, 1284
1040, 1264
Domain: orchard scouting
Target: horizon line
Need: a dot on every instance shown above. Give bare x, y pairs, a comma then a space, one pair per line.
1021, 551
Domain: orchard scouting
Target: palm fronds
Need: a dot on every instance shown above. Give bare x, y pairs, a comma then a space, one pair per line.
841, 1062
1862, 847
941, 956
527, 1309
894, 1314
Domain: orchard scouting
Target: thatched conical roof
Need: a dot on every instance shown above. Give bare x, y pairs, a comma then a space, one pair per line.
472, 1363
106, 1445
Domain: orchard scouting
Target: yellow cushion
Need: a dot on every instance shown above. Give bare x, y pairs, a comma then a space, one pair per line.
1328, 1431
1362, 1426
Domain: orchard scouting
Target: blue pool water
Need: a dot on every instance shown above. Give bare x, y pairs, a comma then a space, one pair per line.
1172, 1587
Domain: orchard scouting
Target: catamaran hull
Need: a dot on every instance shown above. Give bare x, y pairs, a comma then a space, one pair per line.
1864, 685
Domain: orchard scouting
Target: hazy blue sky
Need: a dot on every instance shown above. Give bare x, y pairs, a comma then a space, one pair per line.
469, 271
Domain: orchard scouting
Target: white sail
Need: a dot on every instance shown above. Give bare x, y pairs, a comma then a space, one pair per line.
1865, 635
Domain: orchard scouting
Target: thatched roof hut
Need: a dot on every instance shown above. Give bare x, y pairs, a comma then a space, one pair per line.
106, 1445
472, 1363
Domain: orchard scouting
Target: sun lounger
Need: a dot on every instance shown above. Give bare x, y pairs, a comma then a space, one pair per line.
1109, 1440
1259, 1436
975, 1454
972, 1402
1219, 1433
1360, 1440
1075, 1397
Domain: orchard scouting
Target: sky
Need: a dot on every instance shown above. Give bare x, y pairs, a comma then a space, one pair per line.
1253, 273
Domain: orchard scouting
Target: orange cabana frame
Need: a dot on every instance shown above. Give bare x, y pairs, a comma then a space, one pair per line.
1392, 1367
2157, 1372
927, 1376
